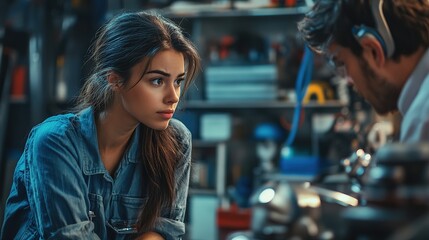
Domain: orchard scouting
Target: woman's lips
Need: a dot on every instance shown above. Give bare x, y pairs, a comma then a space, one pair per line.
166, 114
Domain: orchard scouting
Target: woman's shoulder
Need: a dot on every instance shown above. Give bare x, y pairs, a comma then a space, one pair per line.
181, 130
58, 127
184, 137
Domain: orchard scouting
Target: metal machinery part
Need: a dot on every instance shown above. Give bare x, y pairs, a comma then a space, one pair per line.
392, 202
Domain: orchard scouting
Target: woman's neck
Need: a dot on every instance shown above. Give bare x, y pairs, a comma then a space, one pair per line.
113, 134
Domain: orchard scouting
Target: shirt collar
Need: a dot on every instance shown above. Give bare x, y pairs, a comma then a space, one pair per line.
92, 163
412, 86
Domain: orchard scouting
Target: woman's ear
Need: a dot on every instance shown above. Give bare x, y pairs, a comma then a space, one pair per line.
372, 50
114, 80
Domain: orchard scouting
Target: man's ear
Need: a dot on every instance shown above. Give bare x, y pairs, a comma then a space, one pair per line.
372, 43
114, 80
372, 50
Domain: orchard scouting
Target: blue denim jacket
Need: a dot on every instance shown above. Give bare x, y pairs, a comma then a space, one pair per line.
61, 189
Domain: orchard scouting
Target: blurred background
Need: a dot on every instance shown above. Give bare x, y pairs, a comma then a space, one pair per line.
263, 108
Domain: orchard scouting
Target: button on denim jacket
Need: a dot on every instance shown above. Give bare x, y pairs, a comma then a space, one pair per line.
61, 189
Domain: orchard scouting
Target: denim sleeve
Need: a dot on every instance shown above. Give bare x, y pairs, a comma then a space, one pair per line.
172, 226
55, 185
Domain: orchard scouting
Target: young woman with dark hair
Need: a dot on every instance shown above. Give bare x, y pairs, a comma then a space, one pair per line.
118, 167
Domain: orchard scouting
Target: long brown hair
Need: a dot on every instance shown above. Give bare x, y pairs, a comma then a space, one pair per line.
120, 44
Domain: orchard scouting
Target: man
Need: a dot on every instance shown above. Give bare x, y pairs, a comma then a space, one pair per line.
384, 48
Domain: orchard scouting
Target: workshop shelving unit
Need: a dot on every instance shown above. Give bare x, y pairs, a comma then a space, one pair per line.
275, 23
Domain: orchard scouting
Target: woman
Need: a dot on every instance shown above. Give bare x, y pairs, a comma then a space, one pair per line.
119, 167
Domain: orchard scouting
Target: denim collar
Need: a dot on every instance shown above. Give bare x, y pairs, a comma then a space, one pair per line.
92, 163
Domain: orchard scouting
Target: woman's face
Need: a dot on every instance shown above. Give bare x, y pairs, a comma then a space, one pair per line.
151, 98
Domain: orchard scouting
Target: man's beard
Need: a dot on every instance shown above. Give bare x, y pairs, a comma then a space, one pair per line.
381, 94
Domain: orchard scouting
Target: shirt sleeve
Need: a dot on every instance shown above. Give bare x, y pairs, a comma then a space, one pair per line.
55, 185
415, 129
172, 226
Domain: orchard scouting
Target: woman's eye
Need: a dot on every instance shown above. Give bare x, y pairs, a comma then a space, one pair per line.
179, 81
157, 81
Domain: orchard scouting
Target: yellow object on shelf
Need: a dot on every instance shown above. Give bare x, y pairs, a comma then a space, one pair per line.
321, 90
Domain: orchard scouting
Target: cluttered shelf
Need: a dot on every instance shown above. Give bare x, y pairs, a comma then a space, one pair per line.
213, 105
228, 12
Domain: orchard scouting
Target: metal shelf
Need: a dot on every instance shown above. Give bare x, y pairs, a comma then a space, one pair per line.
213, 105
198, 191
215, 13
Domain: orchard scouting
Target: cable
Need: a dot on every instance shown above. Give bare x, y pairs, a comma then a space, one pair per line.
302, 82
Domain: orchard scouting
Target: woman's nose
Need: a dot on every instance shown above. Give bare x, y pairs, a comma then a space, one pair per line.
173, 94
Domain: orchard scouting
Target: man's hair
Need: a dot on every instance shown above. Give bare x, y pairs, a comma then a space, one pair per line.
333, 21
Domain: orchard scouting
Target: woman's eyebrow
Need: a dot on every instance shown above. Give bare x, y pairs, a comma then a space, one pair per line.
181, 75
164, 73
159, 72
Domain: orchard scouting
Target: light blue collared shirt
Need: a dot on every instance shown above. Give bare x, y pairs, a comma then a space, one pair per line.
61, 189
414, 104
